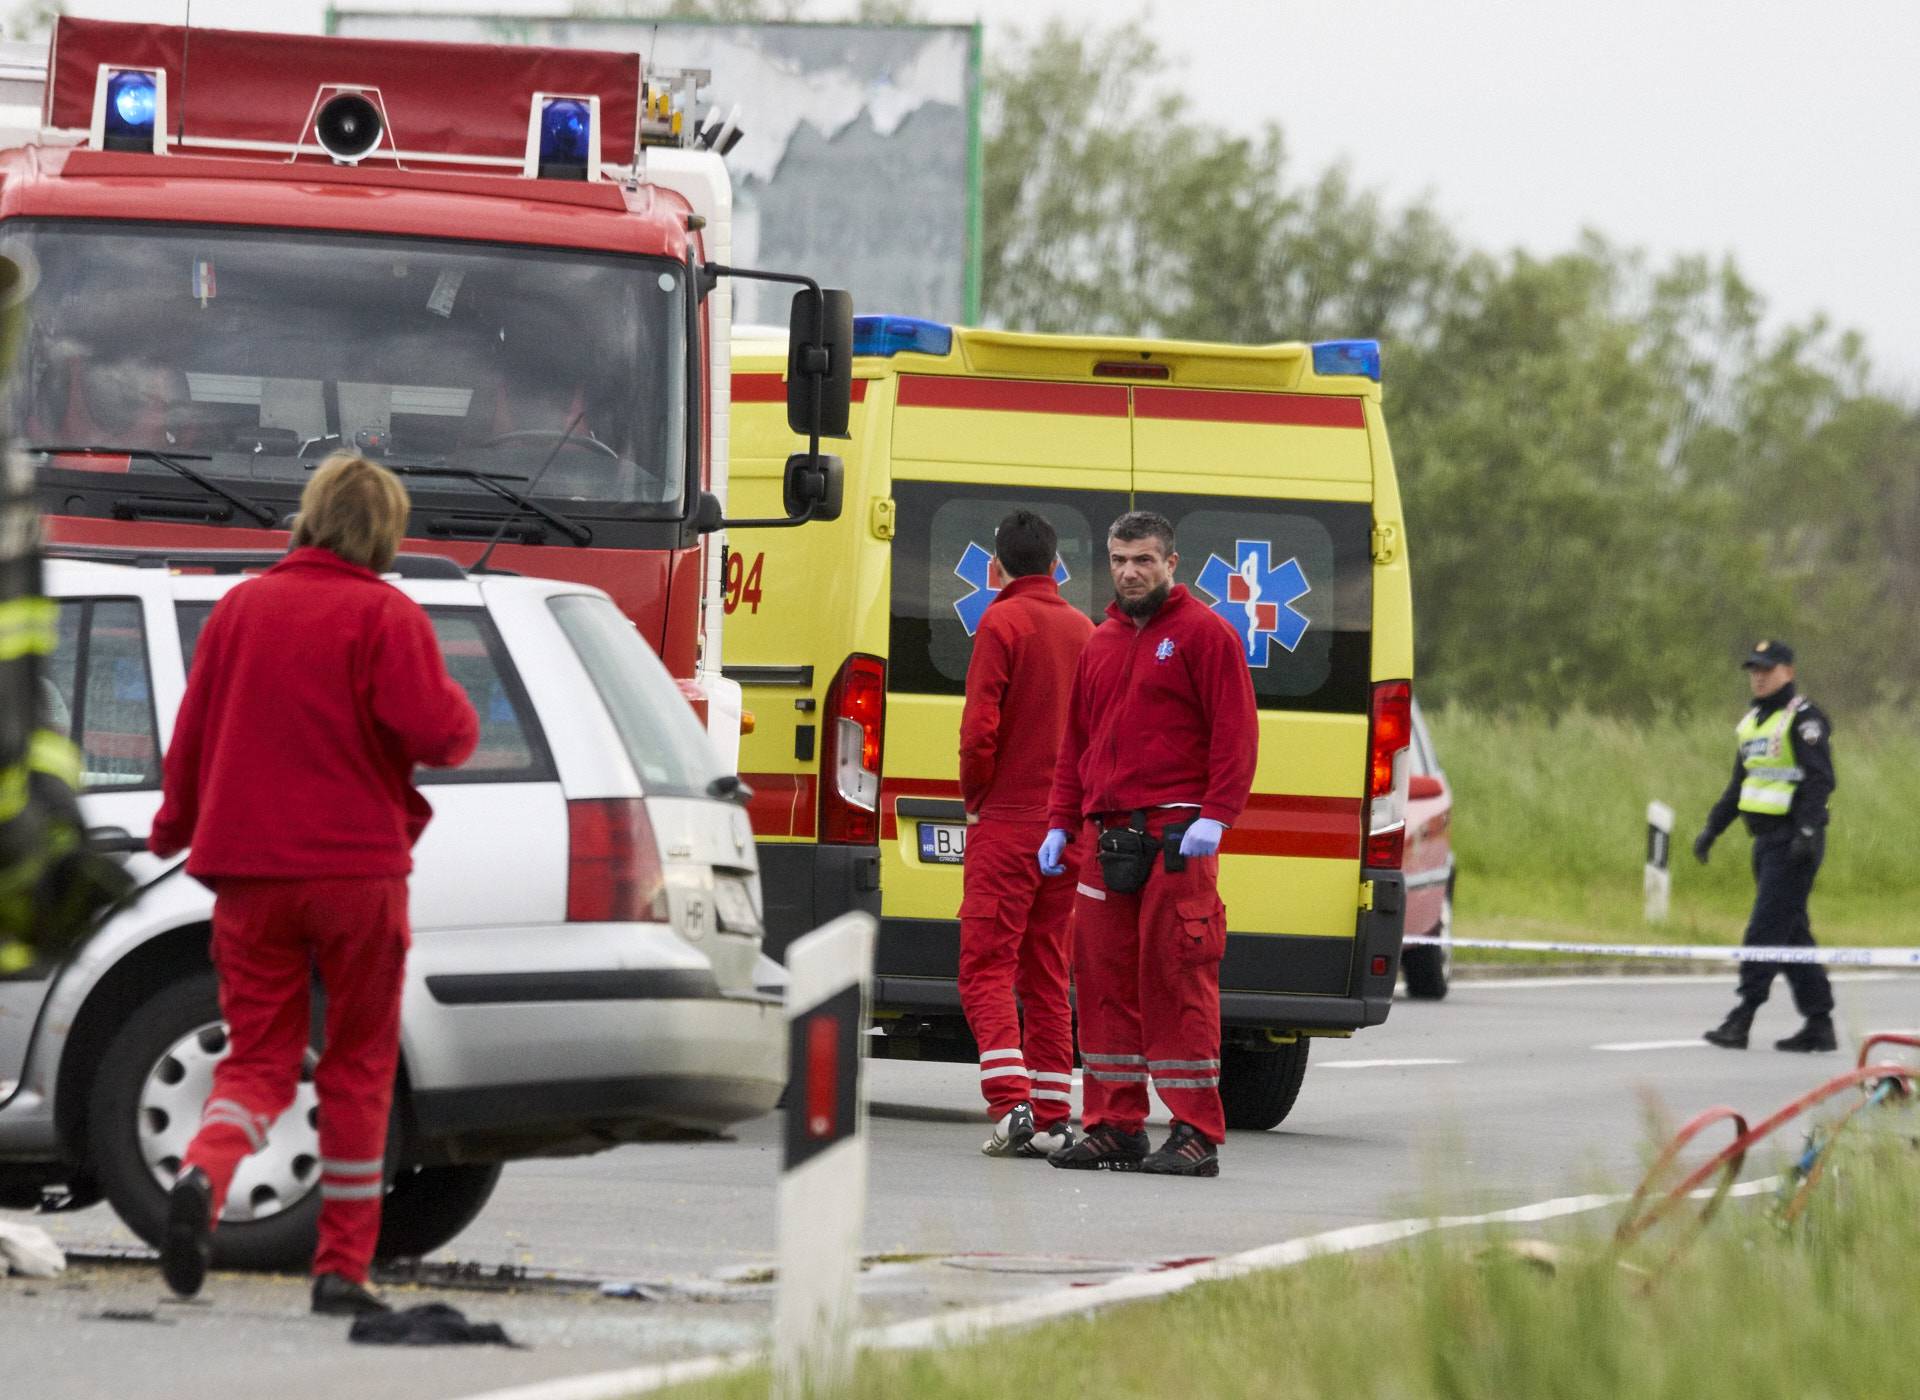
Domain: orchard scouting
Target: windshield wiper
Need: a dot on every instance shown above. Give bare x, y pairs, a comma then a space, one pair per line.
572, 529
174, 462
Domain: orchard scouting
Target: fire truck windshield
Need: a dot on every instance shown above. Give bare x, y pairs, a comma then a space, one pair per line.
258, 352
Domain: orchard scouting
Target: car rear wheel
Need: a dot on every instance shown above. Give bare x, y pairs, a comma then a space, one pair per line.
1429, 966
1258, 1087
427, 1207
145, 1107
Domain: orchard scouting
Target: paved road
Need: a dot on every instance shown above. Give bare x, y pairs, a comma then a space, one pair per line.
1509, 1091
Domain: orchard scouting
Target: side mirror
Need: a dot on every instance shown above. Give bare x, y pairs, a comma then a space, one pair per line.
814, 486
1424, 785
708, 514
820, 363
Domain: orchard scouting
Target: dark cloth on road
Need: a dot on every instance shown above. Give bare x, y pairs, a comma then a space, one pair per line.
426, 1325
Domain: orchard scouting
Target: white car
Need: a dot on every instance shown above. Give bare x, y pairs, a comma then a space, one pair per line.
586, 967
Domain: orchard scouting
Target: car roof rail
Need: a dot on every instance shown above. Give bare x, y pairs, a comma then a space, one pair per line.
232, 561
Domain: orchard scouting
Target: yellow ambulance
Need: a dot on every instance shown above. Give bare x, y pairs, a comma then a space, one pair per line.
851, 642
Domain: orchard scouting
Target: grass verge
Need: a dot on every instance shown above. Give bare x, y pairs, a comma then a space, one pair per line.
1550, 829
1755, 1309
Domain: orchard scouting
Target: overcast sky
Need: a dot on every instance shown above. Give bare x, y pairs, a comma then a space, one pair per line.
1780, 134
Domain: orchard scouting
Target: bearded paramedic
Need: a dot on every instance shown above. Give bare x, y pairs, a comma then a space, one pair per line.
1158, 758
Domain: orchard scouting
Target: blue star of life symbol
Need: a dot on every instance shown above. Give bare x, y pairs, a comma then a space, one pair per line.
1255, 598
972, 570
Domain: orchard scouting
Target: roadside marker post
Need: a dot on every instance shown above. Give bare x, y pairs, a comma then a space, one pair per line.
823, 1179
1659, 881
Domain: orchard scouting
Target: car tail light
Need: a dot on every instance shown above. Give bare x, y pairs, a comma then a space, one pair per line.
1389, 732
856, 722
613, 863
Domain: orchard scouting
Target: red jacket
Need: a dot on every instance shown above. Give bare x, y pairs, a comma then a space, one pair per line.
1160, 714
1017, 685
315, 690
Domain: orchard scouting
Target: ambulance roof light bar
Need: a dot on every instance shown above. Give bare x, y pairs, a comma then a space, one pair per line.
563, 137
1348, 357
129, 109
890, 335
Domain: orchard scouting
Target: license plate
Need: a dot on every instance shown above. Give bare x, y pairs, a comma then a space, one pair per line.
733, 901
941, 844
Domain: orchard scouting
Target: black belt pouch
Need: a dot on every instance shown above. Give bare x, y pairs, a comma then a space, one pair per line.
1127, 855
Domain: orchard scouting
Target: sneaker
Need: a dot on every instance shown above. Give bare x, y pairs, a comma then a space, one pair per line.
336, 1295
1184, 1153
1103, 1149
1013, 1132
187, 1245
1049, 1140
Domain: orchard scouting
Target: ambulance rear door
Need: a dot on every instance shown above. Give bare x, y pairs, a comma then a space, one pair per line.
1270, 495
967, 449
799, 603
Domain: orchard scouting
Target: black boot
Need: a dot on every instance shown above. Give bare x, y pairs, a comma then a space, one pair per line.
187, 1246
1731, 1034
336, 1295
1817, 1034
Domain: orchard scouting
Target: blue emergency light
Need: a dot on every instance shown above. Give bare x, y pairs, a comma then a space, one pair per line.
566, 139
132, 108
1348, 357
889, 335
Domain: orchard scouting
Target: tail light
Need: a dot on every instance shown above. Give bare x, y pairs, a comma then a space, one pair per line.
856, 722
1389, 732
613, 863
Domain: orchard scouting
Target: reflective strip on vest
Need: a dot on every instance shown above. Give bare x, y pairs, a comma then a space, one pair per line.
27, 627
1767, 786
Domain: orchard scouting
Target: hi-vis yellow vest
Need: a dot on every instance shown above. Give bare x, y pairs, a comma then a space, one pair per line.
1767, 752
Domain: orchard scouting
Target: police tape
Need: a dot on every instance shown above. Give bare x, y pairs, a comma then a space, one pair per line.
1833, 957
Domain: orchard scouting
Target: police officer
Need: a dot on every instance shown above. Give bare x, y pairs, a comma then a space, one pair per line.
1782, 777
1155, 765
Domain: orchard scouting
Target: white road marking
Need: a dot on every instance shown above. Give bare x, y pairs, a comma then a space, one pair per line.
1381, 1064
946, 1329
1694, 1044
1654, 979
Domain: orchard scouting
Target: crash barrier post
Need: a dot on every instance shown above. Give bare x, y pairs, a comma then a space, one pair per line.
1878, 1083
1659, 879
823, 1179
1908, 958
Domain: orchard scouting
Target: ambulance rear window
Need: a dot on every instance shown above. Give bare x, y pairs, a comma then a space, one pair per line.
943, 542
1293, 578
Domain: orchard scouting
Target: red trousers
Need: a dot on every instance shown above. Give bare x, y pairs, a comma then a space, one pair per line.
269, 938
1147, 967
1015, 953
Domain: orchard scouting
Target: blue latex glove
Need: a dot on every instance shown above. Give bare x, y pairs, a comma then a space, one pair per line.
1202, 838
1051, 850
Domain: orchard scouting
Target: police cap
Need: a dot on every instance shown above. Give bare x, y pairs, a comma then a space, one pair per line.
1768, 654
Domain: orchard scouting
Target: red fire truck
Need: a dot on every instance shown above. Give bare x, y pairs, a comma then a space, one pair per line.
501, 270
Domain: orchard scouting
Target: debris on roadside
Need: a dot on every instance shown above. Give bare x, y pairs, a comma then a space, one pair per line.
427, 1325
29, 1251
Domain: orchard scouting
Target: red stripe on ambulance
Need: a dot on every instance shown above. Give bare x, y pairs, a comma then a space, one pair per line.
771, 388
1273, 824
1014, 395
1230, 406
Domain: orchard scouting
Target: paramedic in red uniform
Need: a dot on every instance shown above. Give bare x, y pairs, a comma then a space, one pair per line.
1014, 945
315, 690
1161, 732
